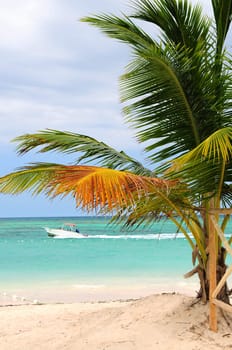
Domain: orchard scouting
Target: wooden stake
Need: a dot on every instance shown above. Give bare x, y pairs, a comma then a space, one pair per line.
212, 276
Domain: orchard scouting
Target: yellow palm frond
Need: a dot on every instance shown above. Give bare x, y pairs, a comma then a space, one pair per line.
217, 148
96, 187
92, 187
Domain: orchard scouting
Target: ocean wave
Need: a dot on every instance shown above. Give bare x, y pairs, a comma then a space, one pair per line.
151, 236
130, 236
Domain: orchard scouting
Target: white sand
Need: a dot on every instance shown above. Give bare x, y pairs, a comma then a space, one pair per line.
158, 322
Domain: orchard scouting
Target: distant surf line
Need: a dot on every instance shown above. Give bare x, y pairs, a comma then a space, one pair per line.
151, 236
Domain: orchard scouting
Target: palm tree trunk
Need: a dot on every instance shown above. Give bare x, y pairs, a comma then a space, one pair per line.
203, 274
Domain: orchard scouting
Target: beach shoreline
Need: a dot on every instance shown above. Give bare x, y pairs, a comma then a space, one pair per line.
161, 321
92, 291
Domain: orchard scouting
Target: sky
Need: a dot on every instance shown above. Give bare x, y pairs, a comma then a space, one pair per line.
59, 73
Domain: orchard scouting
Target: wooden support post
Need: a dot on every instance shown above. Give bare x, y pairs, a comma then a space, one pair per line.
214, 290
212, 276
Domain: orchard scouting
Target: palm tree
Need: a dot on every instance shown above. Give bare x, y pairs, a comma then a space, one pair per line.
177, 94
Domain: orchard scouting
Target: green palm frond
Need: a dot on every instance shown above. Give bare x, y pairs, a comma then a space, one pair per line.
122, 29
164, 14
157, 104
92, 150
223, 17
177, 92
207, 168
35, 178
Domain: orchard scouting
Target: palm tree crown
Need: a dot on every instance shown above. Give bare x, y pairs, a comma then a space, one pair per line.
176, 91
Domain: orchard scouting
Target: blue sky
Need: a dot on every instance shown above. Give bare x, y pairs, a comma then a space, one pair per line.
59, 73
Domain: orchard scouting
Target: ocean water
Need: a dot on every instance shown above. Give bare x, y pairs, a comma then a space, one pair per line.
146, 257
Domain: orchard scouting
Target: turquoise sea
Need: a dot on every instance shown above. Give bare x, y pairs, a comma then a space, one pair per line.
81, 268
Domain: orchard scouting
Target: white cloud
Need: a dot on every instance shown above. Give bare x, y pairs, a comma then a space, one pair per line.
20, 21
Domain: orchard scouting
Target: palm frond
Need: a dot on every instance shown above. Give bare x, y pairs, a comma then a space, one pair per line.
34, 177
180, 21
174, 205
92, 187
217, 147
176, 92
223, 16
122, 29
104, 189
172, 101
92, 150
157, 104
207, 168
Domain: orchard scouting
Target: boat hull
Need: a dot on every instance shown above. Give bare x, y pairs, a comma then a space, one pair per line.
60, 233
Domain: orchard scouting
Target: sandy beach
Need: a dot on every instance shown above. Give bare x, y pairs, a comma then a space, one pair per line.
162, 321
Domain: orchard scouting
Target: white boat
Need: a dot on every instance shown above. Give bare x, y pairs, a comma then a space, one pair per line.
67, 230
